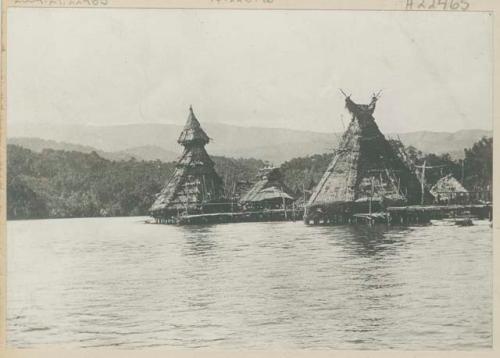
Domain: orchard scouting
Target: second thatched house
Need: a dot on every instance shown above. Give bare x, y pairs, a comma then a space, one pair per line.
269, 192
449, 190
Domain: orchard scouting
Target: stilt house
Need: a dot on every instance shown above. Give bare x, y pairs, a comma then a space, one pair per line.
270, 192
366, 173
195, 187
449, 190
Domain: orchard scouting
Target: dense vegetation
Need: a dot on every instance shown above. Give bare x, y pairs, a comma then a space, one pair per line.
475, 171
56, 183
304, 173
478, 165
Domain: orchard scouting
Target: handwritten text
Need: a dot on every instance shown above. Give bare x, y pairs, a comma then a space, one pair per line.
460, 5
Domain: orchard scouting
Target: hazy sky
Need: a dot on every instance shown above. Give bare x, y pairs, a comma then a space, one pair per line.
250, 68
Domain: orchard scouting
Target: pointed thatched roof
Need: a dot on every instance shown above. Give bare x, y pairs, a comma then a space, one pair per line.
365, 166
195, 181
192, 132
270, 186
447, 185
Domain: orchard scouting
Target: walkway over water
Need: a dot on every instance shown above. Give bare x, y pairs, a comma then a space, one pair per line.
413, 214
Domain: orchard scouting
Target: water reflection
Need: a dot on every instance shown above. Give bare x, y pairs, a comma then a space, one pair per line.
377, 242
251, 286
372, 261
199, 240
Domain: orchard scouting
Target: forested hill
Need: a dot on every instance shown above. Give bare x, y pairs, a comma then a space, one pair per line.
56, 183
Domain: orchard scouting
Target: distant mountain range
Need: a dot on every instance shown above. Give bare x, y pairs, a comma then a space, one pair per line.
159, 141
140, 153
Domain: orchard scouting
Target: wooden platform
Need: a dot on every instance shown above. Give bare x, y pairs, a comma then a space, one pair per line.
241, 216
437, 208
425, 213
405, 215
397, 215
371, 219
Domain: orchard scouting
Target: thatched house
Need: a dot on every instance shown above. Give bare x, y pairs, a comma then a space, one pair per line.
241, 187
269, 192
366, 173
449, 190
195, 187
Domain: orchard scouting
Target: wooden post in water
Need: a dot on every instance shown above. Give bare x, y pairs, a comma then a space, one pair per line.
284, 203
371, 196
233, 197
304, 192
423, 183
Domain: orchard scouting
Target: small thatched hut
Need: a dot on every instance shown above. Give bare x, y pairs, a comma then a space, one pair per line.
195, 187
366, 173
449, 190
269, 192
241, 187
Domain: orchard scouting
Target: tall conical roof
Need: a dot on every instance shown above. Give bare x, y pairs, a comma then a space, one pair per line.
365, 166
192, 132
195, 182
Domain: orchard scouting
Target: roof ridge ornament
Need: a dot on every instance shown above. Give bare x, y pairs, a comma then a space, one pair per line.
193, 133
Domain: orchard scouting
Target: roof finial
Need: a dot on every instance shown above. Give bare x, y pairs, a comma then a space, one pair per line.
345, 95
191, 108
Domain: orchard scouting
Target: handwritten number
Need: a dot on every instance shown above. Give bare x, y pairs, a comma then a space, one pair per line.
444, 3
454, 4
465, 4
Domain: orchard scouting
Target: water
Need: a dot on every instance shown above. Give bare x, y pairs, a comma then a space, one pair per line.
118, 282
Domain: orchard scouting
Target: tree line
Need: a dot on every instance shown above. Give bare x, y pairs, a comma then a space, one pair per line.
475, 171
57, 183
61, 184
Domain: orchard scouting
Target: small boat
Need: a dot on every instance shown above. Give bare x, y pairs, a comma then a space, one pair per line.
464, 222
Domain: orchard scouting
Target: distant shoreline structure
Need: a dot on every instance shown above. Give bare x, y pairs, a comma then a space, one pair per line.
367, 176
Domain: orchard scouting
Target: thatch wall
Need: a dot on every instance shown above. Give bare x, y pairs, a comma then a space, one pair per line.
195, 186
365, 168
448, 189
269, 190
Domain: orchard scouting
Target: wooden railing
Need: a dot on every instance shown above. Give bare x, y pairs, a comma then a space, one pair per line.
471, 197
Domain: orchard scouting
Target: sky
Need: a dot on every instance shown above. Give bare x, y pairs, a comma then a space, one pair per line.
280, 69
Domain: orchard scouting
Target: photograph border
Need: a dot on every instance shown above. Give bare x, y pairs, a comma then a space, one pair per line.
491, 6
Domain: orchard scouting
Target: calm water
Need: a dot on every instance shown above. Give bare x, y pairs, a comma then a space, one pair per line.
119, 282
